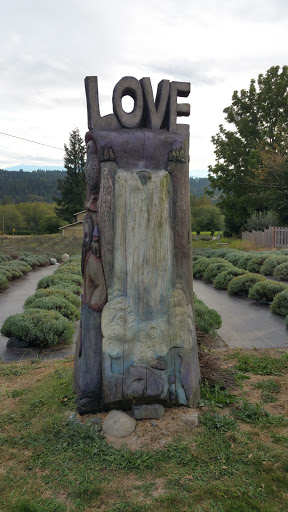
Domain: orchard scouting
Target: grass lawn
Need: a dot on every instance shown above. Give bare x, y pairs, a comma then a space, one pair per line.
51, 245
235, 461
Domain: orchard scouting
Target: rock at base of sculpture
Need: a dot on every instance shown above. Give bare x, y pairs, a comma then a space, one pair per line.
118, 424
138, 338
148, 411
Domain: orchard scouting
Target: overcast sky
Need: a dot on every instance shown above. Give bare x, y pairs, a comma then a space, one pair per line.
49, 46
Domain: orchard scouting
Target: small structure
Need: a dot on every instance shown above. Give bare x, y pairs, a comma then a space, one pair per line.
76, 228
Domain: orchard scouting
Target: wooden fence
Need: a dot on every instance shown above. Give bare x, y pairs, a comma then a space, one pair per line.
271, 238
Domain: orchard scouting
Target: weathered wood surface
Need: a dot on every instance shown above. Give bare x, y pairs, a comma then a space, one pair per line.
138, 201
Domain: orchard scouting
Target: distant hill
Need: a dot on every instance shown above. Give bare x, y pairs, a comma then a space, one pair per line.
197, 186
28, 186
35, 167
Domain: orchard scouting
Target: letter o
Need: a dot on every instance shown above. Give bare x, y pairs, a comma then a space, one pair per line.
128, 86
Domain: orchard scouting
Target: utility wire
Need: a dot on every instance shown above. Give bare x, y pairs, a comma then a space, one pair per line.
33, 141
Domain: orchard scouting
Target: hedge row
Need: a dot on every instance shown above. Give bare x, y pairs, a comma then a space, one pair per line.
13, 269
223, 269
48, 313
267, 263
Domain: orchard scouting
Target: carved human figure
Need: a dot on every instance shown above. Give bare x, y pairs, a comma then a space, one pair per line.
94, 282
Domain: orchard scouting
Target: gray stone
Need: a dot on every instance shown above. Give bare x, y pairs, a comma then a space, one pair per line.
191, 420
118, 424
97, 422
73, 418
53, 261
65, 257
14, 342
149, 411
154, 423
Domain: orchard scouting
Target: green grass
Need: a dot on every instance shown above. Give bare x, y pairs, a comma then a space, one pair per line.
261, 365
55, 466
269, 389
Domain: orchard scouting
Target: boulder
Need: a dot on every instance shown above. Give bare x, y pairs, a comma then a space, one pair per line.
118, 424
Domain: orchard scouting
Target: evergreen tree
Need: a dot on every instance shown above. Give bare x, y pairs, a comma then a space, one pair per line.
72, 188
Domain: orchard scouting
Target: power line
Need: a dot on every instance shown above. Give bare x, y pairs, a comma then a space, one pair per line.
33, 141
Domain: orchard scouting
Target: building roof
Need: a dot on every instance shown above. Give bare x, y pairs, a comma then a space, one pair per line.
83, 211
73, 224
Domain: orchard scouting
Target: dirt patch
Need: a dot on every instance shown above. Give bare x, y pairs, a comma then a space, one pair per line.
152, 434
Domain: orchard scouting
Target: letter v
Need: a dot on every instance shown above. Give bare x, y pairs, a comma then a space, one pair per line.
154, 113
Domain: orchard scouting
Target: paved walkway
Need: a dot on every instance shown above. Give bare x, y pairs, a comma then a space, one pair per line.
11, 302
245, 324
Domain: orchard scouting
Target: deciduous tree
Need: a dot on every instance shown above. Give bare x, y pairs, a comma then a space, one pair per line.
259, 121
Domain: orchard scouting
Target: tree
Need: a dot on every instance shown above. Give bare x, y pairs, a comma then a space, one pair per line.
271, 180
12, 218
204, 216
72, 187
259, 221
51, 224
259, 118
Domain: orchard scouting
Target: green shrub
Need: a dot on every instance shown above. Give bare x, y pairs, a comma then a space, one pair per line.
207, 319
265, 291
243, 262
7, 273
271, 263
215, 268
241, 285
280, 303
64, 285
205, 252
234, 257
55, 279
39, 327
281, 272
13, 269
45, 292
23, 265
3, 258
221, 253
71, 269
55, 303
201, 265
3, 282
256, 263
222, 280
34, 260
